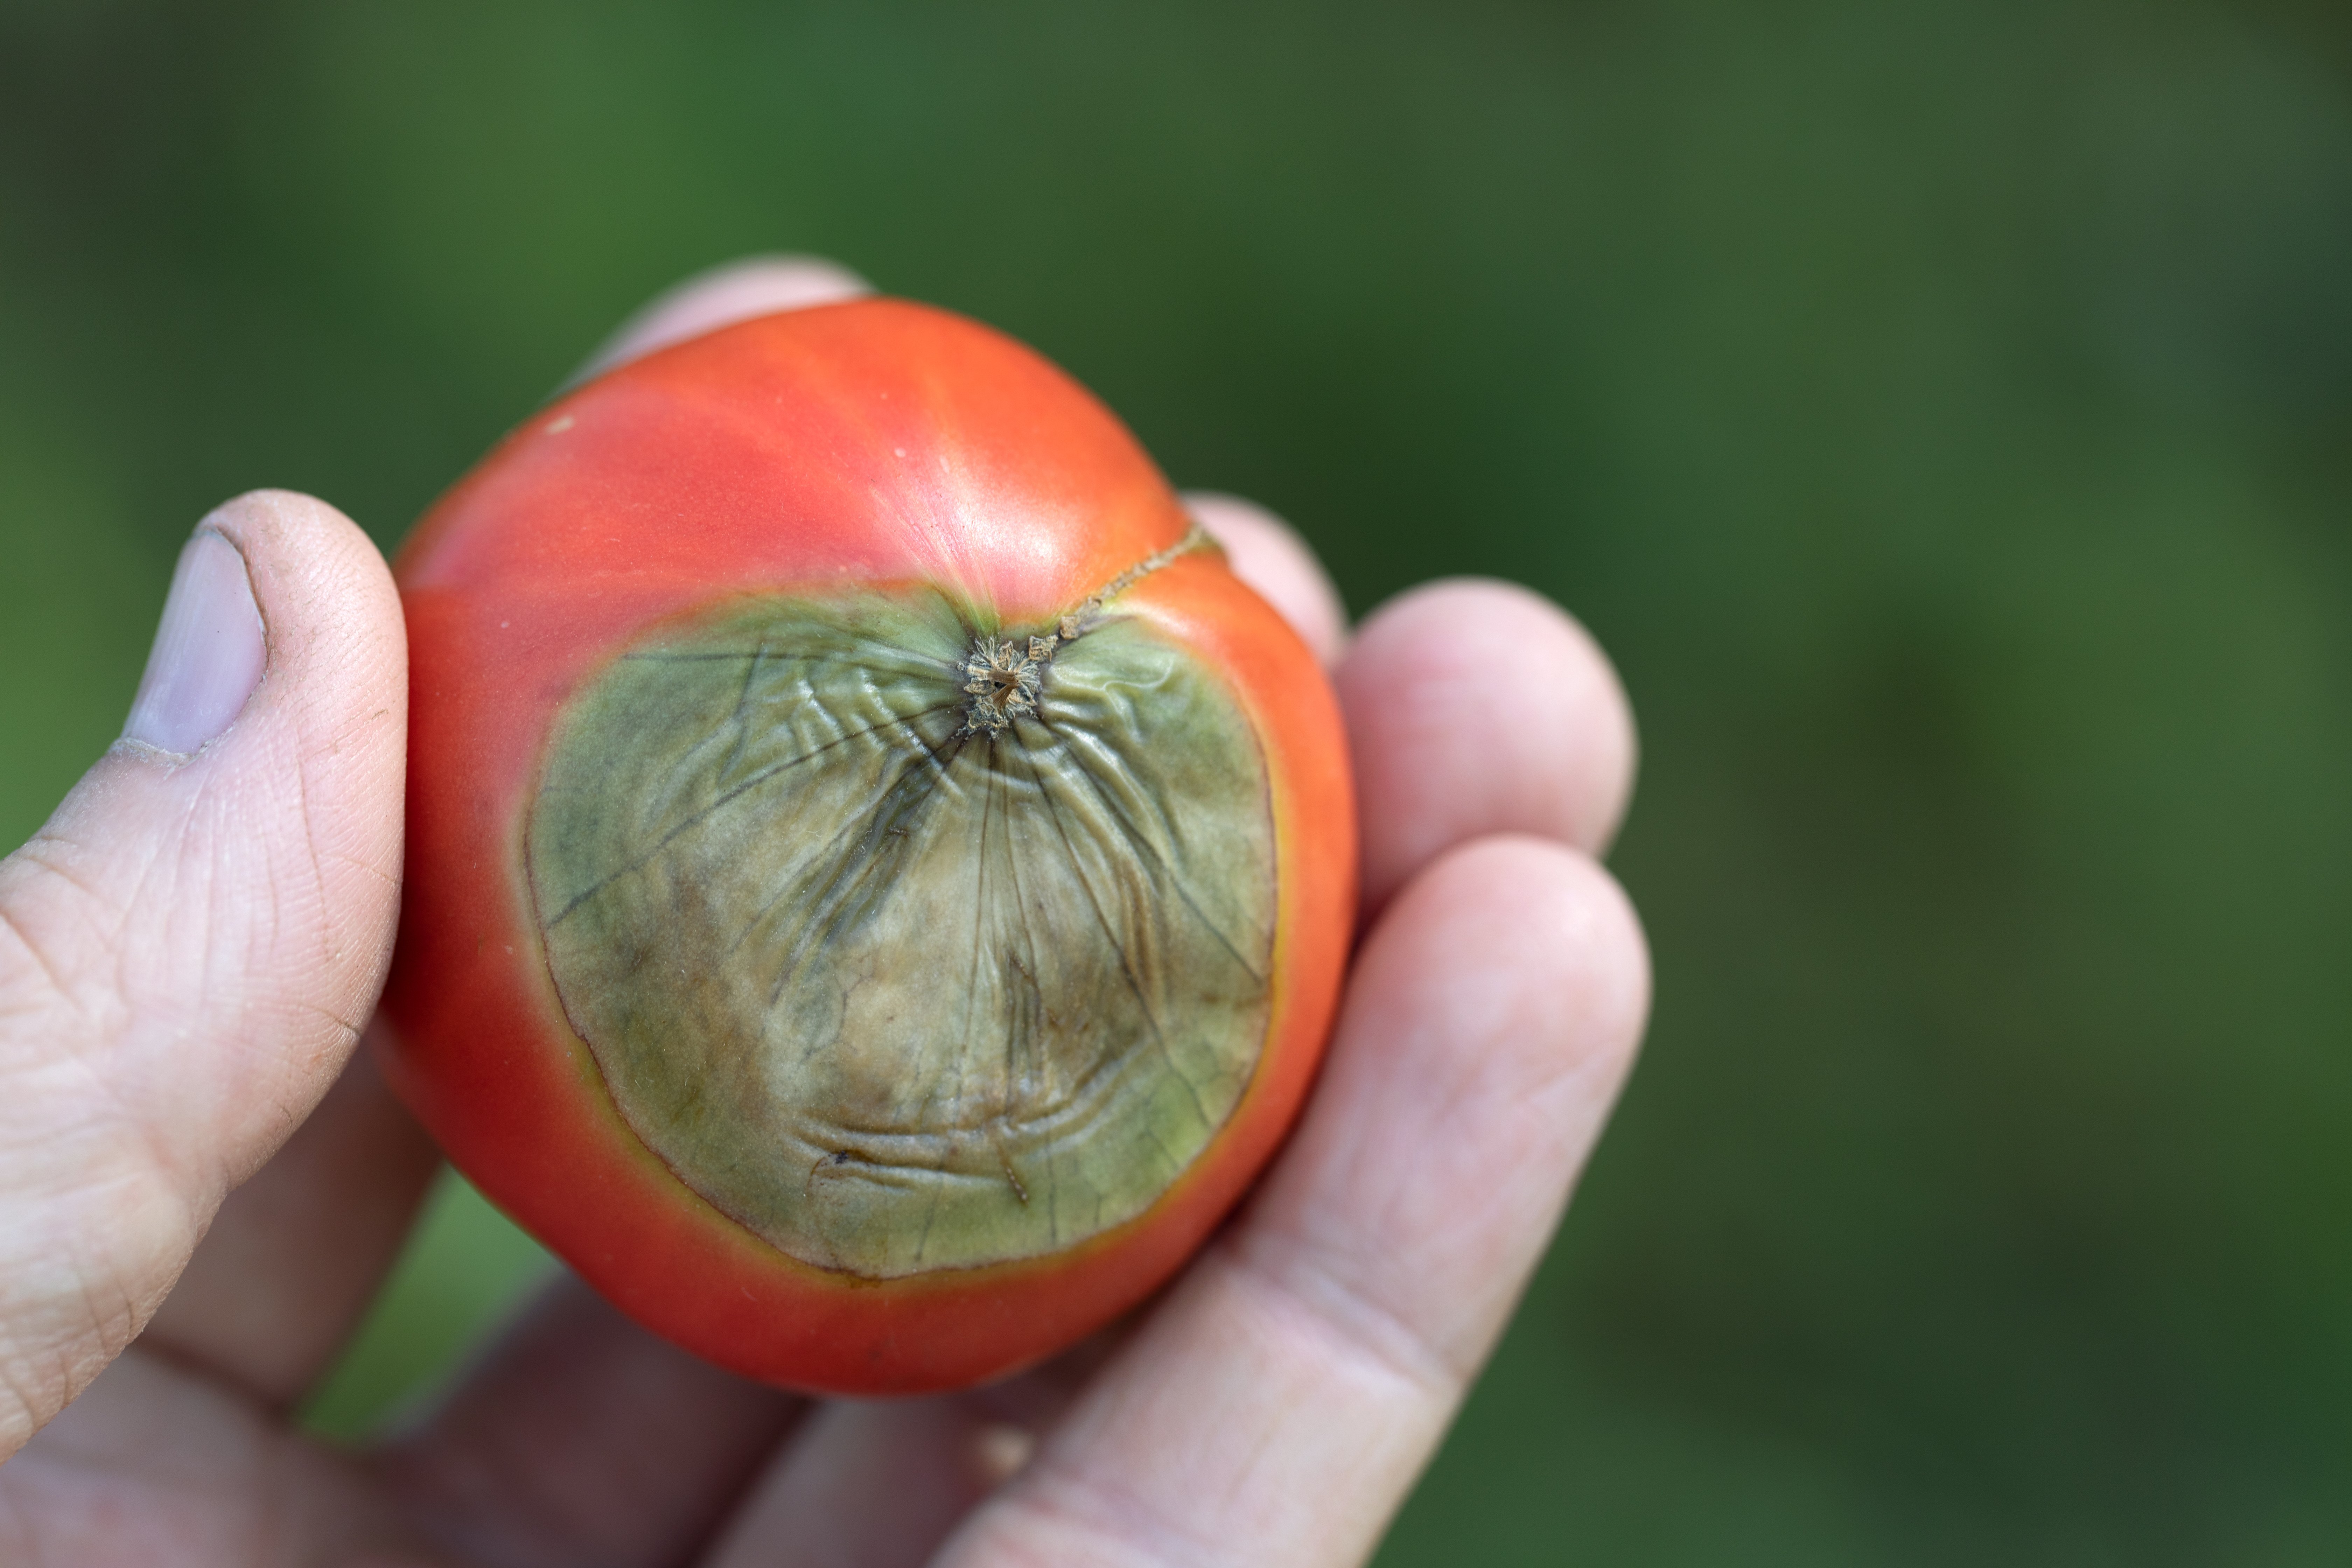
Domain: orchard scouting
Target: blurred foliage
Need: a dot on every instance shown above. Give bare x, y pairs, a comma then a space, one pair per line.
1943, 410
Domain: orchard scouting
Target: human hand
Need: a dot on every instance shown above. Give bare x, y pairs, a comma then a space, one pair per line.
187, 948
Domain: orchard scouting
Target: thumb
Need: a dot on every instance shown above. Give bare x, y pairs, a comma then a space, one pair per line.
188, 947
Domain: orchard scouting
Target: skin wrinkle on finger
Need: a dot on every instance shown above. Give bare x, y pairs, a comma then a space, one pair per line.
131, 1220
844, 1491
138, 1160
1102, 1526
863, 1481
18, 999
1294, 1257
1282, 1382
1297, 1271
1267, 1389
78, 1303
51, 853
1470, 1118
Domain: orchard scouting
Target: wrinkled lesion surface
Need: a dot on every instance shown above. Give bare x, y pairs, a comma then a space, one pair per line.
898, 993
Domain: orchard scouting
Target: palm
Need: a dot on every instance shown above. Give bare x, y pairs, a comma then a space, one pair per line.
1273, 1405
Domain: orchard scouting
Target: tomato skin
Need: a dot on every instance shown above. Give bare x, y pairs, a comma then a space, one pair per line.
876, 441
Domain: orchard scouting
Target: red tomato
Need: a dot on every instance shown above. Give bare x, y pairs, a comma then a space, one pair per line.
877, 884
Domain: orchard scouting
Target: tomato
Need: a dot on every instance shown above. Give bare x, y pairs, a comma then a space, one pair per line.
877, 883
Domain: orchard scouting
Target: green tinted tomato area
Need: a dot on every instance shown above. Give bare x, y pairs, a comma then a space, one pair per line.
904, 948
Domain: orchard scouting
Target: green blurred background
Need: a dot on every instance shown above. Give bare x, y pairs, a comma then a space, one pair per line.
1943, 411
